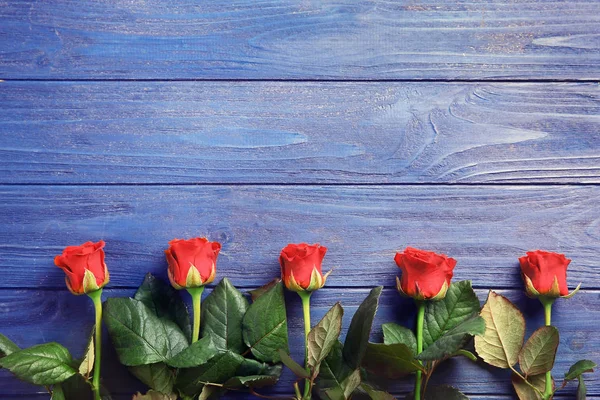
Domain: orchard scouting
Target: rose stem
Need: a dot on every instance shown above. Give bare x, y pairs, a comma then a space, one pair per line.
305, 296
420, 318
547, 302
196, 294
96, 297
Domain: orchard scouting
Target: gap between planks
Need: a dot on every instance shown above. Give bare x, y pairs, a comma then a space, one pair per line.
234, 80
291, 184
356, 289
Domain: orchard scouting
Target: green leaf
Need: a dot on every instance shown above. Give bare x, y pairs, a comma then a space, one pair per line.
581, 389
196, 354
444, 392
256, 293
324, 335
524, 391
157, 376
504, 332
87, 363
346, 387
359, 331
218, 369
138, 335
222, 314
333, 369
296, 368
165, 302
252, 367
252, 381
44, 364
210, 392
57, 393
376, 394
394, 333
265, 325
391, 361
460, 303
451, 341
537, 356
7, 346
580, 367
465, 353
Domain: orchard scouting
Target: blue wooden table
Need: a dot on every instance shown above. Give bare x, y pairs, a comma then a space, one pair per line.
466, 127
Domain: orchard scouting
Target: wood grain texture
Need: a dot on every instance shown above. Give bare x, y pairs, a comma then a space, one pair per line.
32, 316
282, 39
281, 132
484, 227
243, 396
237, 396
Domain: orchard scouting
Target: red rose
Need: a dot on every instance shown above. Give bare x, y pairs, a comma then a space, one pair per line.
84, 267
301, 267
425, 275
192, 262
545, 274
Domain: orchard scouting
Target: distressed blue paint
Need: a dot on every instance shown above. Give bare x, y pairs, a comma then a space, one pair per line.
485, 227
285, 39
282, 132
258, 164
49, 312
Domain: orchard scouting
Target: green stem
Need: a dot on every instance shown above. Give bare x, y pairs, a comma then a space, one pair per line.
297, 391
305, 296
196, 294
547, 302
97, 300
420, 320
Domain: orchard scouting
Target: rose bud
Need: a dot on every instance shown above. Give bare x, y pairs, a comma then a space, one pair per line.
84, 267
425, 275
192, 262
301, 267
545, 274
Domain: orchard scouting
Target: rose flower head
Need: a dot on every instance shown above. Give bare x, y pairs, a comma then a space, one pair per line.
545, 274
301, 267
425, 275
192, 262
84, 267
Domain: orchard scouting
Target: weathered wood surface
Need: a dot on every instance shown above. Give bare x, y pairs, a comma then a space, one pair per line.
238, 396
188, 123
279, 39
282, 132
486, 228
34, 316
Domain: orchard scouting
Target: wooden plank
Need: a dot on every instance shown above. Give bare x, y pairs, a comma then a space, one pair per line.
281, 132
32, 316
484, 227
246, 396
283, 39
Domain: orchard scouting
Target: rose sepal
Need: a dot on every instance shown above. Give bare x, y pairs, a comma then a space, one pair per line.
292, 284
193, 279
568, 296
419, 296
317, 281
553, 293
89, 282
